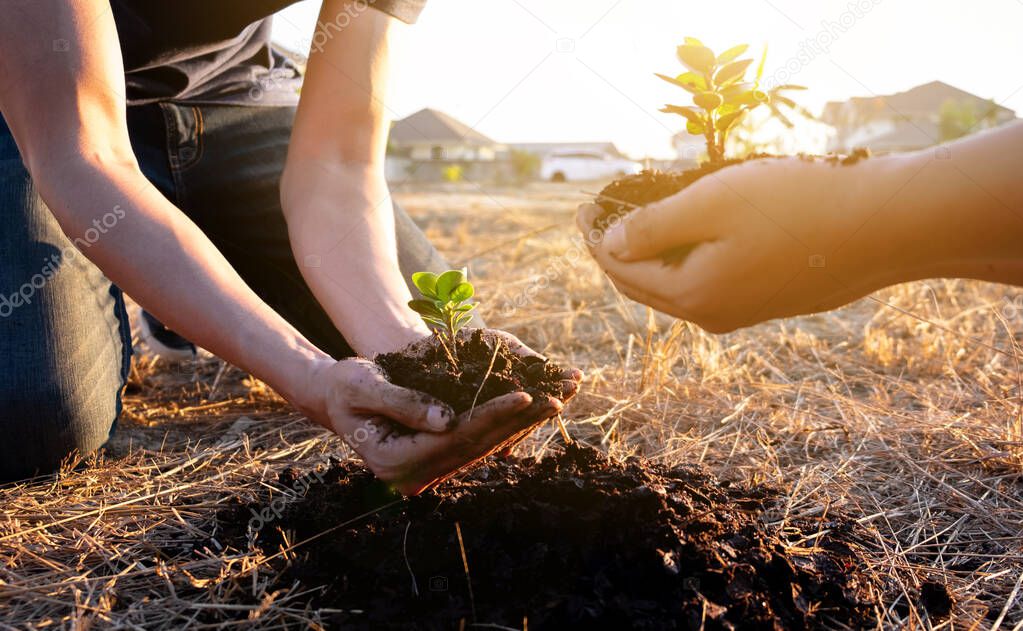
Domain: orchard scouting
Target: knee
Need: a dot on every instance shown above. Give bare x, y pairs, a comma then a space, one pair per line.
43, 424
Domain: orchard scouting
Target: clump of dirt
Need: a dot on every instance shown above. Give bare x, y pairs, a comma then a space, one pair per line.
626, 194
573, 541
936, 599
486, 368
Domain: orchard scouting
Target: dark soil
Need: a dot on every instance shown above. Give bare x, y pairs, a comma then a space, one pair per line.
936, 599
426, 367
626, 194
575, 541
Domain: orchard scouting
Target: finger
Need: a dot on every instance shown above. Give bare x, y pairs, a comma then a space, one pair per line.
571, 374
585, 220
656, 278
517, 346
495, 409
643, 297
686, 218
372, 393
424, 460
569, 388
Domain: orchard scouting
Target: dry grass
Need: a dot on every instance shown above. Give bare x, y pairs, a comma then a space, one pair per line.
903, 410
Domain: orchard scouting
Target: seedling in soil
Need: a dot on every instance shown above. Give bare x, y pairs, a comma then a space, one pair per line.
444, 304
721, 95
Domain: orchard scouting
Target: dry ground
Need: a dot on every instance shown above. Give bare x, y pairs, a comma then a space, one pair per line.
903, 410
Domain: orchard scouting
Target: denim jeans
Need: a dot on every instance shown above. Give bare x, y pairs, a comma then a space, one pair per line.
65, 341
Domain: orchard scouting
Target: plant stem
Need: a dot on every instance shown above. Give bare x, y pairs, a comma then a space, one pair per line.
448, 349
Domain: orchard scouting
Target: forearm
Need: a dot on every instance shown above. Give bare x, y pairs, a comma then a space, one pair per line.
152, 251
341, 225
333, 192
954, 212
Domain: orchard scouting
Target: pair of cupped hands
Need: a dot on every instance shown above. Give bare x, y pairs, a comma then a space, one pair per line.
413, 441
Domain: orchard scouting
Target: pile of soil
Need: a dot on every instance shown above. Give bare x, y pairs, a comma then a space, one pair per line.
653, 185
573, 541
486, 368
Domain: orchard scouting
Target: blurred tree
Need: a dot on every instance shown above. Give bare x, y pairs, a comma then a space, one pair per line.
525, 164
957, 119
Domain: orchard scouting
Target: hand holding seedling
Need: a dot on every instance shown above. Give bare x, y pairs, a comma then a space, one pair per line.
783, 237
413, 440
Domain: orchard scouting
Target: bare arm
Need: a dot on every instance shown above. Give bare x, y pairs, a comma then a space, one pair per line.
66, 109
333, 190
954, 211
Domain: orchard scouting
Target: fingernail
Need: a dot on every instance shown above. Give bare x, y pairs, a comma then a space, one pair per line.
438, 418
614, 239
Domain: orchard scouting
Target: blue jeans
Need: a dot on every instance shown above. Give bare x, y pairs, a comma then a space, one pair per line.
65, 342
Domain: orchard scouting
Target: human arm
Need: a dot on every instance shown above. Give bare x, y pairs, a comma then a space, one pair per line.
333, 191
65, 106
776, 238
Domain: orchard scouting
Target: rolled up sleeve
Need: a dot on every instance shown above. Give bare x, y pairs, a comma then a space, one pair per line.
405, 10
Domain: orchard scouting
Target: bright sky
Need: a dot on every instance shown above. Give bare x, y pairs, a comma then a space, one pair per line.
572, 70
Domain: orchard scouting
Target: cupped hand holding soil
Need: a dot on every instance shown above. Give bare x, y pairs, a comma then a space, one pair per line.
415, 419
767, 238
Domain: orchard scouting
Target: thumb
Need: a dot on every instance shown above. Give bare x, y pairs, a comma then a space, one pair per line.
686, 218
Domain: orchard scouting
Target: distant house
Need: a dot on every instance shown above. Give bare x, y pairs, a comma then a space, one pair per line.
432, 146
905, 121
432, 135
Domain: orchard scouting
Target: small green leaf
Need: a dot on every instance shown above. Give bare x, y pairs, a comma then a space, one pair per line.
760, 66
789, 86
425, 307
729, 120
447, 282
464, 308
690, 81
731, 54
462, 292
731, 72
689, 113
696, 129
777, 113
437, 322
734, 93
693, 41
696, 58
426, 283
709, 101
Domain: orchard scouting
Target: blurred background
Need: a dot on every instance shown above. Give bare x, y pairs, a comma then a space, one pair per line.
504, 76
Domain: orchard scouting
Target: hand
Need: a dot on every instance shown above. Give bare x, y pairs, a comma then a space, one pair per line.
769, 238
413, 441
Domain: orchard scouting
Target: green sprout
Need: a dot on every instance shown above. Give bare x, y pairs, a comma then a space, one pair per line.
443, 304
721, 94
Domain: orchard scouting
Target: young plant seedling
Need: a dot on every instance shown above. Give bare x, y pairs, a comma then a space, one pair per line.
721, 94
444, 304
